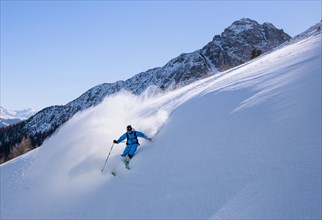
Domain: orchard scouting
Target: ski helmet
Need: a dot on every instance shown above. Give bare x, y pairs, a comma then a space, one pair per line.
129, 128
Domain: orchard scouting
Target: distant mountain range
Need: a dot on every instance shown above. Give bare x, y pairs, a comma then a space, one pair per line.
8, 117
240, 42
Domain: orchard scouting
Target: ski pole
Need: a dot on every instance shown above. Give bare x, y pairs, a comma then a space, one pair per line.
107, 157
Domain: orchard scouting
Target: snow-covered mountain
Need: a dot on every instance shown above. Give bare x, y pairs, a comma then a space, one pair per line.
8, 117
233, 47
242, 144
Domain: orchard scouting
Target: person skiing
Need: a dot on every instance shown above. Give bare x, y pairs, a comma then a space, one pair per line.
132, 143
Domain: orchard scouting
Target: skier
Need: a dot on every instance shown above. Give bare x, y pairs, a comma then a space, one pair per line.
132, 143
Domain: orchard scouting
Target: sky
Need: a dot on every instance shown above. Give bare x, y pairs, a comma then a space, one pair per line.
54, 51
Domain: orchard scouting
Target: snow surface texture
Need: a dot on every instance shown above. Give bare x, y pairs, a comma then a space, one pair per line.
242, 144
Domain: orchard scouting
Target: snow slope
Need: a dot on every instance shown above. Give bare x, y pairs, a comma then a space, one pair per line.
245, 144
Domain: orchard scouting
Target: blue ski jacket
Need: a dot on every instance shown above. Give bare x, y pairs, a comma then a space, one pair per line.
132, 142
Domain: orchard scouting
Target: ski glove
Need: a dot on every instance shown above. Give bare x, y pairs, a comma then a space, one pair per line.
115, 141
150, 139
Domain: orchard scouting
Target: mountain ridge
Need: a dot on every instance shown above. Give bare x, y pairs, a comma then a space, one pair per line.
235, 46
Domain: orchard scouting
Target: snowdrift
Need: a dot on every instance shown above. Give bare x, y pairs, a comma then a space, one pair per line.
242, 144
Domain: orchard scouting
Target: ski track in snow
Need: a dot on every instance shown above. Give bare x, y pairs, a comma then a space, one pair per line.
245, 143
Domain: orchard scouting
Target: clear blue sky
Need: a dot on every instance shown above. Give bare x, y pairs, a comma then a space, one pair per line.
53, 51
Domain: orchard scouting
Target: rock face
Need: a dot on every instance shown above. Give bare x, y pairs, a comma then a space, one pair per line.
236, 45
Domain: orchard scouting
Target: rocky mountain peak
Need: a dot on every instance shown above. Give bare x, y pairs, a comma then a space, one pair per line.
242, 25
241, 41
251, 31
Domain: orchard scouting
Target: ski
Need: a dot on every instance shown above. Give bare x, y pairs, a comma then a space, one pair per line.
114, 171
126, 161
127, 166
